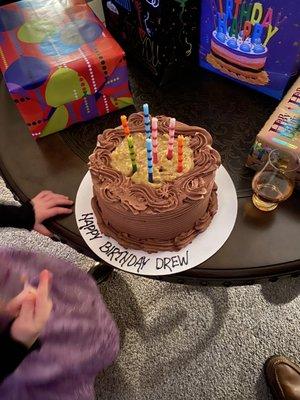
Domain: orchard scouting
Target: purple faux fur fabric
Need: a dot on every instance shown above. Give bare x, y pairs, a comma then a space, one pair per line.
80, 338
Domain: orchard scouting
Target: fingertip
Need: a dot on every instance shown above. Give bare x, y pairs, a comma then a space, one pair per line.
44, 274
64, 210
50, 274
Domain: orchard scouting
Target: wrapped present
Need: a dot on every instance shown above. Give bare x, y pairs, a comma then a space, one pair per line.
281, 131
254, 43
160, 34
60, 64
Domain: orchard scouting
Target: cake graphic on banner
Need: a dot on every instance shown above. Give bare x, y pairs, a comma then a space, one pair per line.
239, 42
154, 182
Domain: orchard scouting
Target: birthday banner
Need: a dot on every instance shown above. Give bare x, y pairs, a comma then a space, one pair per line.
60, 64
158, 33
255, 43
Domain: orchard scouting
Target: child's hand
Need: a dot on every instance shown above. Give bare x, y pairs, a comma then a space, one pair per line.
34, 313
13, 307
46, 205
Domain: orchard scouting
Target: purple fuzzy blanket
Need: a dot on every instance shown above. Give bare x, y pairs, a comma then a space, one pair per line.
80, 338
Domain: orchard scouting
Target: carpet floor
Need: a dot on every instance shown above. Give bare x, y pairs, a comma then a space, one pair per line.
186, 342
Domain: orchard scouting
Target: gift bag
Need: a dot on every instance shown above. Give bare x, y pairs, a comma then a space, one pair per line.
160, 34
254, 43
281, 131
60, 64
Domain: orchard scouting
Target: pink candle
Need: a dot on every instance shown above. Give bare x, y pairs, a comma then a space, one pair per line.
171, 138
154, 140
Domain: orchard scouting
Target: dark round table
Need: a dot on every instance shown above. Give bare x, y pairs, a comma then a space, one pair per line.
261, 246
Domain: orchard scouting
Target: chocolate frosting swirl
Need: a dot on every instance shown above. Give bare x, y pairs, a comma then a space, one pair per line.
168, 216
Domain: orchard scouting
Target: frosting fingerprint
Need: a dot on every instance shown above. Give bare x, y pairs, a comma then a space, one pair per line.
150, 218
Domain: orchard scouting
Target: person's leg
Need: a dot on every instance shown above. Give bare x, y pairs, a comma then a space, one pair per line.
100, 272
283, 377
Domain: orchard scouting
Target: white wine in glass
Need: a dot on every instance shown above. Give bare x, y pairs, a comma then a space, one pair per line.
275, 182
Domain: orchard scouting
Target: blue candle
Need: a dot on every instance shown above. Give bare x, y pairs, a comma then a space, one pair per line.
147, 120
222, 23
149, 159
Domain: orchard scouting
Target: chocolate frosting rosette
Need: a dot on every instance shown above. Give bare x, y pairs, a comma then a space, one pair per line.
165, 215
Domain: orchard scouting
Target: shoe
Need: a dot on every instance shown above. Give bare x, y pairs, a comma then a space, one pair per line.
100, 272
283, 377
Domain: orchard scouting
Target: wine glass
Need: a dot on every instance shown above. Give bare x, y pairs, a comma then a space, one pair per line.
276, 181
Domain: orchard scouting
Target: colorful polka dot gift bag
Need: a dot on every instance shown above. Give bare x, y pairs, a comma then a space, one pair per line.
60, 64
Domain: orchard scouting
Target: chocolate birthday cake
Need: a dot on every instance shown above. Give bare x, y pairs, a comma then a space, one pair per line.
169, 212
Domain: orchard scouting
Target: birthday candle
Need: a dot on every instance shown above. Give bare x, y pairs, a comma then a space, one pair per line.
171, 139
180, 153
132, 153
147, 120
125, 125
154, 140
150, 160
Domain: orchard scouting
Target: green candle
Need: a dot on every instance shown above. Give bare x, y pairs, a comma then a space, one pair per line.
132, 153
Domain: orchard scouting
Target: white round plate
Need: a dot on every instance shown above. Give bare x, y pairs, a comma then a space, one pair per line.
162, 263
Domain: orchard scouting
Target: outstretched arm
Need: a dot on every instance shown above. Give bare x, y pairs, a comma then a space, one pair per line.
32, 214
17, 216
